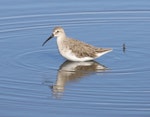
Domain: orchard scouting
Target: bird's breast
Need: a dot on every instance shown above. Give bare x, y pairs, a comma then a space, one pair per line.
61, 46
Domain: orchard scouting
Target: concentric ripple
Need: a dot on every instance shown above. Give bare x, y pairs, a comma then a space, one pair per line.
38, 60
43, 60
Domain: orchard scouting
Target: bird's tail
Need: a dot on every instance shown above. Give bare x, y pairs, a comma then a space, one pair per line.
104, 51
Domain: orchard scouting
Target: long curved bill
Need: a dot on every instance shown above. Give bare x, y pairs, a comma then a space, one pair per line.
47, 40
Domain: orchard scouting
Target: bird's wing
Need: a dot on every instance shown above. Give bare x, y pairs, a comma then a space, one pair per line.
82, 49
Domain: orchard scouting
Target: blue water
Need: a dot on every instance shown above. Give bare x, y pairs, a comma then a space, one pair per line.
38, 81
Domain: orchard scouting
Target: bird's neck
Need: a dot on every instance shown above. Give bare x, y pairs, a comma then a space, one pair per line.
61, 38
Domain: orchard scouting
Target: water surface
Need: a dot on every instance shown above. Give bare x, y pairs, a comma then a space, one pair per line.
37, 81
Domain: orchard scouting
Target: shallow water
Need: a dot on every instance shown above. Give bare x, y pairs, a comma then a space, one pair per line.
37, 81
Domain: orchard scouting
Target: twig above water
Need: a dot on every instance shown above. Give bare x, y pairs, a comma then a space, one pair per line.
124, 48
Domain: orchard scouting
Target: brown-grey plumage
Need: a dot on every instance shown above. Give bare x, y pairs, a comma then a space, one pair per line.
84, 50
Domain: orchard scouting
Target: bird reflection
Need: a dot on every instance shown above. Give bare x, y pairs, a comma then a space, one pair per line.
72, 71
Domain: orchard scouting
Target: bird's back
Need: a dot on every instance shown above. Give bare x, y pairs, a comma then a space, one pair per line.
81, 49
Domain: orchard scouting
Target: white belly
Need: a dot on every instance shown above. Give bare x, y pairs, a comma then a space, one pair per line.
71, 56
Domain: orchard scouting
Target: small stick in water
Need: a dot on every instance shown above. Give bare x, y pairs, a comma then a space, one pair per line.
124, 47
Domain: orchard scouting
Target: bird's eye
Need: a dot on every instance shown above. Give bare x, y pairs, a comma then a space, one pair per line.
57, 31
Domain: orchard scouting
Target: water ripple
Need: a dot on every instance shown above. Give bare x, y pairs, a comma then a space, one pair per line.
37, 60
82, 95
42, 59
29, 22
